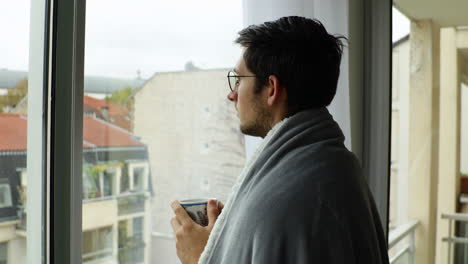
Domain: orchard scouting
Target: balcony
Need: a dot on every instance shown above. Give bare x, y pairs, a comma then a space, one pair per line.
132, 253
457, 245
131, 203
401, 243
97, 256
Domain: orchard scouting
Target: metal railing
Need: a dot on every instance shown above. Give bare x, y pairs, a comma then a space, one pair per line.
400, 233
454, 217
131, 255
92, 257
131, 203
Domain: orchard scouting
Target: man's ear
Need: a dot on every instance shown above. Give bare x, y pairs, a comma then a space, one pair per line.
276, 92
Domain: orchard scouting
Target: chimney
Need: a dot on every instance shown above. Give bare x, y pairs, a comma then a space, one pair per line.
105, 112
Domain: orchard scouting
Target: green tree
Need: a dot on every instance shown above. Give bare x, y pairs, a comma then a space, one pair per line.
15, 94
122, 97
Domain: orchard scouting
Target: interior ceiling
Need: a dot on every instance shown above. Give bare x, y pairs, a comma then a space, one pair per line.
446, 13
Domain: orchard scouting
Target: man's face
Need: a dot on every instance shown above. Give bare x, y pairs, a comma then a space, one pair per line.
255, 119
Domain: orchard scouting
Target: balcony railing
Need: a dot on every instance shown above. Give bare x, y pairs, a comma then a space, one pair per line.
402, 233
454, 240
97, 256
131, 203
132, 255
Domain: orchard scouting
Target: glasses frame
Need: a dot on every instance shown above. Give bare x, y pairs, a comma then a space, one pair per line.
235, 76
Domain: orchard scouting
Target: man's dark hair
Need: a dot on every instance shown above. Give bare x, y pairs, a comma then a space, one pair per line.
300, 53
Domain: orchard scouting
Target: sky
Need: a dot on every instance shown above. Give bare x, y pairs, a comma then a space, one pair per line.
124, 38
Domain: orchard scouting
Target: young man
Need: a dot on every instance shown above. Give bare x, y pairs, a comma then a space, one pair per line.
302, 197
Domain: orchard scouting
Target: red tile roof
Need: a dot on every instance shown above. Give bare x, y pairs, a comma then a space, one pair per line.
117, 114
13, 129
103, 134
93, 103
96, 133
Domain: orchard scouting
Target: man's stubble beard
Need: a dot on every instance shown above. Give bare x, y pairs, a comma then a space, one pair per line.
260, 126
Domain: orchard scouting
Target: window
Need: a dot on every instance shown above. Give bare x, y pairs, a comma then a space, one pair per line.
138, 178
21, 135
131, 243
108, 183
124, 180
161, 111
97, 244
5, 195
138, 228
98, 181
3, 253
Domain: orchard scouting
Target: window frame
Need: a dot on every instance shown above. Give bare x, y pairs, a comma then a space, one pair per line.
377, 96
38, 236
131, 169
66, 55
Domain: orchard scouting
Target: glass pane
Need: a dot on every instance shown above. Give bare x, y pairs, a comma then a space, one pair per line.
14, 54
138, 174
156, 112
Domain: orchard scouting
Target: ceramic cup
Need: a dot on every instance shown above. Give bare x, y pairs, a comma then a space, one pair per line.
197, 209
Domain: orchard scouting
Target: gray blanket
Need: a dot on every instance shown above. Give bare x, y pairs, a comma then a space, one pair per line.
303, 201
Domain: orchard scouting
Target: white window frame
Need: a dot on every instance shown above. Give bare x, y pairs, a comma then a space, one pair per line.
38, 131
136, 165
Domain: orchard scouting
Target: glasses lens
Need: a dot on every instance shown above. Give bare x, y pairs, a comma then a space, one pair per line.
232, 78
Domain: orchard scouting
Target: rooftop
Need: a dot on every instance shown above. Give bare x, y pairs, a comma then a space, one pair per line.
96, 133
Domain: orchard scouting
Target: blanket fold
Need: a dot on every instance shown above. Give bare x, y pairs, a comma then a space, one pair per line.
301, 198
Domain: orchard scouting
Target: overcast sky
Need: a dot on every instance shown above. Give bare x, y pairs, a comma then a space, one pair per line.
123, 37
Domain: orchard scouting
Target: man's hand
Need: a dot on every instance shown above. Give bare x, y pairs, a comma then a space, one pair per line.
191, 238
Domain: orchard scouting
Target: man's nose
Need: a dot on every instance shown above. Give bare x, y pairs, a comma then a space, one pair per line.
232, 96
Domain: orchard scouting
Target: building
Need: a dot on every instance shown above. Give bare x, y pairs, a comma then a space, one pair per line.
194, 143
116, 193
429, 127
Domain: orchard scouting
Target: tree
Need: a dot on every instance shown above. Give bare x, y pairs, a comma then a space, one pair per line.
14, 95
122, 97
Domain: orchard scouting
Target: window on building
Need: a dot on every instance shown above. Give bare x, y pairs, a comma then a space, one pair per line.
98, 183
138, 228
91, 183
5, 195
108, 183
138, 178
3, 253
124, 180
97, 244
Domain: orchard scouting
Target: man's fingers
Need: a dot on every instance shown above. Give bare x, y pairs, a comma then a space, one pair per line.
220, 206
180, 213
213, 212
175, 224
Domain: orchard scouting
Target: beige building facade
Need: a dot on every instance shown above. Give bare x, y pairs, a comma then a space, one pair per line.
195, 147
429, 144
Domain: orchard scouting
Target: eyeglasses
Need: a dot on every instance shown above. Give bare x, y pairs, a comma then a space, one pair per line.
234, 79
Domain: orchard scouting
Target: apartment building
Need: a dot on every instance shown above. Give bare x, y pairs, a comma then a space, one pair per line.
116, 193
